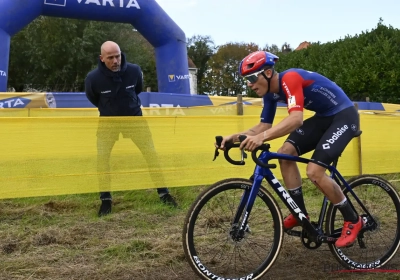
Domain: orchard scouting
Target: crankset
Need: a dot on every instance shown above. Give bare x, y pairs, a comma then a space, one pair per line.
308, 241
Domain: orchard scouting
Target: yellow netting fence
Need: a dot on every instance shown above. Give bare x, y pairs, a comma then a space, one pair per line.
55, 151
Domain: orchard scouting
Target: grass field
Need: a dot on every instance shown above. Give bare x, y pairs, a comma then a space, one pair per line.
61, 237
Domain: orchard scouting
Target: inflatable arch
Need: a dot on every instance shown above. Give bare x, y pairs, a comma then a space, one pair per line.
146, 16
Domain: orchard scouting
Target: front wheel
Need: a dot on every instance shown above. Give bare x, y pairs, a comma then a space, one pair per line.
379, 239
212, 246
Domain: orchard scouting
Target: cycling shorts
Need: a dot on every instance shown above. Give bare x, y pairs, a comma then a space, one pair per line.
327, 136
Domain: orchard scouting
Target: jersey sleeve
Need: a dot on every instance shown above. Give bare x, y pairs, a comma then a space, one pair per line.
292, 85
268, 111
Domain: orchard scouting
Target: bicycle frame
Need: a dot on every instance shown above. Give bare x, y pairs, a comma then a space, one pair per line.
315, 233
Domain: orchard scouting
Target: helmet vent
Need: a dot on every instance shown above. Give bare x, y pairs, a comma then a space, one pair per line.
249, 66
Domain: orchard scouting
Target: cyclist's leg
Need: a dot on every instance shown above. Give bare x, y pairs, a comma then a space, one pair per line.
299, 142
344, 126
331, 145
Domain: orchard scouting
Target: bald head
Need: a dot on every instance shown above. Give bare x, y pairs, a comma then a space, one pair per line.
110, 54
109, 46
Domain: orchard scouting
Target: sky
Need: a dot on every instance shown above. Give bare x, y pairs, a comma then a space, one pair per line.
276, 22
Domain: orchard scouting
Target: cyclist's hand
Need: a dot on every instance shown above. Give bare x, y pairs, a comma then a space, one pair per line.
224, 140
252, 142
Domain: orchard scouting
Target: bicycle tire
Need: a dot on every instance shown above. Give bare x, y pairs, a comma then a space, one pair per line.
217, 265
371, 257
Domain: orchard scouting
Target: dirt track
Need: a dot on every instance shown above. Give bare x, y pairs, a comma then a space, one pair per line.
54, 241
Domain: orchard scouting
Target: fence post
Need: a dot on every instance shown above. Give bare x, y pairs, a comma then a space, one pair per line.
148, 89
358, 143
239, 104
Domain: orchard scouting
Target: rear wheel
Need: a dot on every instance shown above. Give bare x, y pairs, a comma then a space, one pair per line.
378, 241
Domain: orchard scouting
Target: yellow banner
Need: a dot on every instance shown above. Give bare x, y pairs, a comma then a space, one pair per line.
59, 155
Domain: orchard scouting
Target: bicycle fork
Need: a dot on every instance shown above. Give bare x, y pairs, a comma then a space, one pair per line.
240, 221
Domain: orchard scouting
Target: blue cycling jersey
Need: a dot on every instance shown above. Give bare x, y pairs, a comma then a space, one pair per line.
301, 89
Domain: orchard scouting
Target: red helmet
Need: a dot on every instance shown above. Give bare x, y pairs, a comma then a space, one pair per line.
257, 61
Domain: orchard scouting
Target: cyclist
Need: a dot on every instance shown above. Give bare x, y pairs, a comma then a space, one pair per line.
327, 132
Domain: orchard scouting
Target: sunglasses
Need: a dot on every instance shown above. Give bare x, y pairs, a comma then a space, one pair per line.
252, 78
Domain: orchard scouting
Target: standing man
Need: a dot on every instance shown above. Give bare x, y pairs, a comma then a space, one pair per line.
113, 87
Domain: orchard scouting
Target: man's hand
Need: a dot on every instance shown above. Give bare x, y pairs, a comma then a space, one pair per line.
225, 140
252, 142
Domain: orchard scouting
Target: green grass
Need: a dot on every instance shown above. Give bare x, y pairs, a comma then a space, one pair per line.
61, 237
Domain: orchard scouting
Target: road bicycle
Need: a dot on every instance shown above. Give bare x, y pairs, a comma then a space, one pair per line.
234, 228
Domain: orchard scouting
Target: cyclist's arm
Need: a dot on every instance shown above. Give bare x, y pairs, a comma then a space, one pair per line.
257, 129
292, 85
266, 119
286, 126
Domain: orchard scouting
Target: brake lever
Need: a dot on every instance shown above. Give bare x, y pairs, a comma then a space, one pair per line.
216, 153
218, 139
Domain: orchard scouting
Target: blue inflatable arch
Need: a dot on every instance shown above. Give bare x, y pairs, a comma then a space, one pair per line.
146, 16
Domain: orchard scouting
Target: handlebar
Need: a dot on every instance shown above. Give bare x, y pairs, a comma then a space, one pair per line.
230, 145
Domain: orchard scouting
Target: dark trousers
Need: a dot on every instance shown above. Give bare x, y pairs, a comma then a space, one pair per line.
138, 131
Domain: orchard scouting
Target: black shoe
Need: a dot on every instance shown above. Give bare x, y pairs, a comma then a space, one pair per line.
105, 208
168, 200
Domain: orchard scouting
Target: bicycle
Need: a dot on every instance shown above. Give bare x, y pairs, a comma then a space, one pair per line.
242, 235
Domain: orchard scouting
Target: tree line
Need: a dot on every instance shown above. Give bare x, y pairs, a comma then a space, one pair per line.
55, 54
